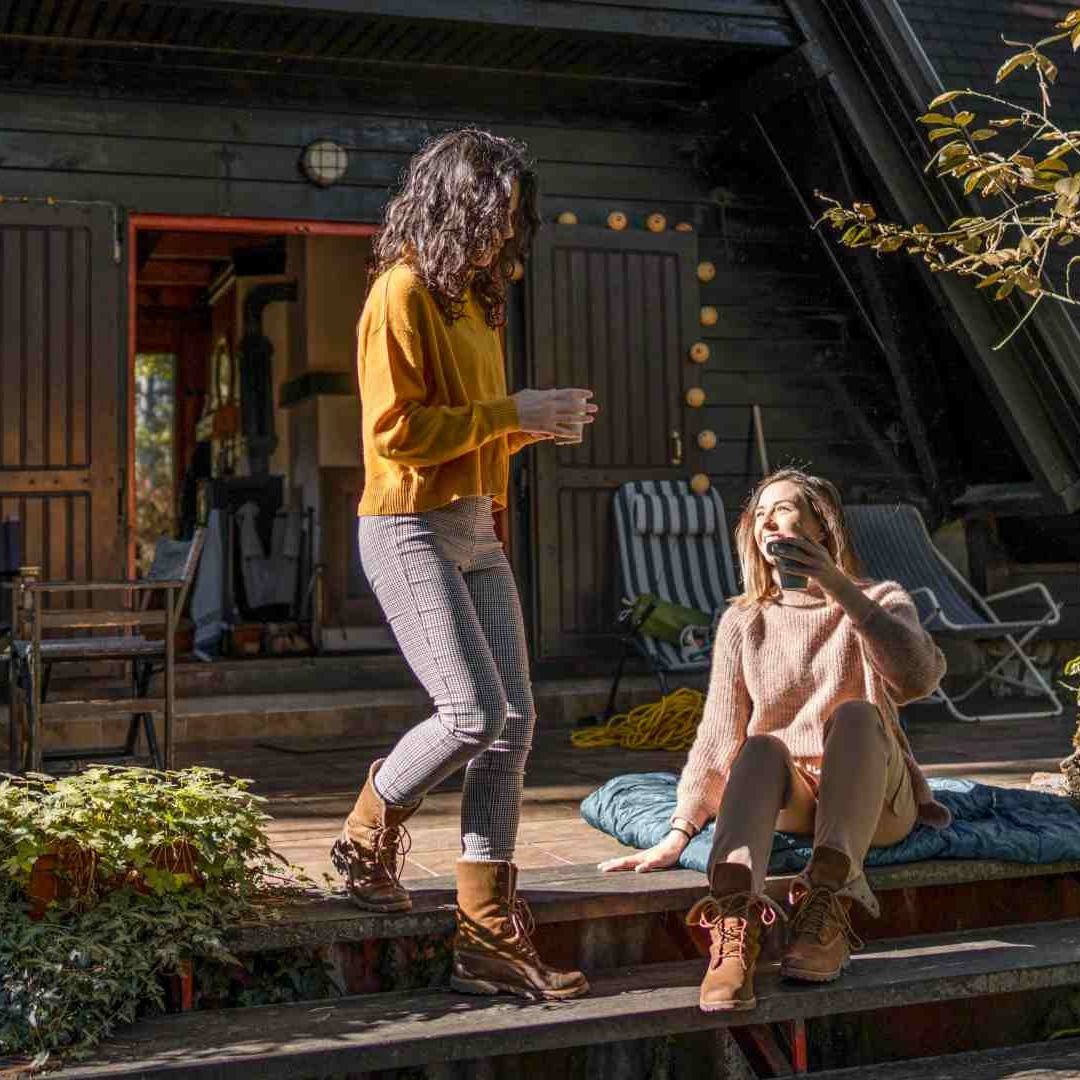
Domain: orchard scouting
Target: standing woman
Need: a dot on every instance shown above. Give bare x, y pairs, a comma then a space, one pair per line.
438, 431
800, 733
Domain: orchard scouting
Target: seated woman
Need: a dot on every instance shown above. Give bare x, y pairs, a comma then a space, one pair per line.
800, 733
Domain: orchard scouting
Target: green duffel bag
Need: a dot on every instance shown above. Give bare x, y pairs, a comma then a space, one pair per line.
661, 619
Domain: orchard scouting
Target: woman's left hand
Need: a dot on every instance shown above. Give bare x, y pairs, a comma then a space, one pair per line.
807, 558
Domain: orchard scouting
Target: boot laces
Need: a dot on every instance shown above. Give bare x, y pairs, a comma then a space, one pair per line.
523, 923
727, 919
821, 910
392, 844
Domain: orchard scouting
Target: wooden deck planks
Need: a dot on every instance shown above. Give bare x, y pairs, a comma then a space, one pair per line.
410, 1029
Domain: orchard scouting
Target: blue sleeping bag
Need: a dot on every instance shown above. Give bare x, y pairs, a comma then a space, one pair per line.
988, 823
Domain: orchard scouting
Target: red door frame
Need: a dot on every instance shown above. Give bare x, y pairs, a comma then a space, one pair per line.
185, 223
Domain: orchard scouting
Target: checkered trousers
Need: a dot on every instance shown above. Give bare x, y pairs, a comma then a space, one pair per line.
450, 597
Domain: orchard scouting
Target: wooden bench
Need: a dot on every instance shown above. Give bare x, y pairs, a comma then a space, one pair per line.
397, 1030
1054, 1060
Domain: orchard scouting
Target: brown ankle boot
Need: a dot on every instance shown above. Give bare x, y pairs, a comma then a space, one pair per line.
370, 853
736, 919
819, 948
492, 950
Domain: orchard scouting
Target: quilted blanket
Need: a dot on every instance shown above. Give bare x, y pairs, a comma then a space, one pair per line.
988, 823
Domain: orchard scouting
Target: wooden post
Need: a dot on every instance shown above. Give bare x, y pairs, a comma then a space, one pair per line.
170, 674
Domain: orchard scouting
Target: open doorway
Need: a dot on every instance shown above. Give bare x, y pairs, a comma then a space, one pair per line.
244, 420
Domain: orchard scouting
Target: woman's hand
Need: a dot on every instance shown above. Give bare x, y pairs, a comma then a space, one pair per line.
658, 857
561, 413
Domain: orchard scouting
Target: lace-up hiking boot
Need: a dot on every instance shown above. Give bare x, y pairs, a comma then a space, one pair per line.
493, 953
821, 939
737, 920
370, 853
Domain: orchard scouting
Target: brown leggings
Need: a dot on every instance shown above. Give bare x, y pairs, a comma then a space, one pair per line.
863, 799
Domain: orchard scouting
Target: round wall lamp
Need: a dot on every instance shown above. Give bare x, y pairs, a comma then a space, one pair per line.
324, 162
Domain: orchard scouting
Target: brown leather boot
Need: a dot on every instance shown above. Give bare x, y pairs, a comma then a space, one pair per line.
819, 948
370, 853
492, 950
736, 919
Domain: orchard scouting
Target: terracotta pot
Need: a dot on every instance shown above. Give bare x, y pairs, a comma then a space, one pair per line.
179, 857
62, 872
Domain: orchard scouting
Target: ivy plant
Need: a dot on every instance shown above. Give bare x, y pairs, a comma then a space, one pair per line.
148, 868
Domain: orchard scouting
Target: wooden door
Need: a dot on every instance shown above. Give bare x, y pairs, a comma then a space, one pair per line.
616, 312
63, 389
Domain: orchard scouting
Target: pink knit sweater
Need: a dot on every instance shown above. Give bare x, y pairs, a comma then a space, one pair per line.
784, 668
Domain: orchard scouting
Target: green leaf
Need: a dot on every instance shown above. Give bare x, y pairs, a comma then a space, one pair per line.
942, 133
936, 118
1004, 291
1052, 164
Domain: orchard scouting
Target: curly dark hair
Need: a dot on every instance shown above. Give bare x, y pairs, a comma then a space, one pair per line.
452, 207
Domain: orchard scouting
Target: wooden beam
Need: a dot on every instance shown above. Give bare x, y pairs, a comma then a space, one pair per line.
176, 273
197, 247
737, 22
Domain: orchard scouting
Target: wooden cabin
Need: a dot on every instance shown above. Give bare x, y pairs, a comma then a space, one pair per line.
179, 178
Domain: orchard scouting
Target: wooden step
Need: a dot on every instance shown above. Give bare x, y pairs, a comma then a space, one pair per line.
582, 893
399, 1030
1054, 1060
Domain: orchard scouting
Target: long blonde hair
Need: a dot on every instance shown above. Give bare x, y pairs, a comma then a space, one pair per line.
824, 500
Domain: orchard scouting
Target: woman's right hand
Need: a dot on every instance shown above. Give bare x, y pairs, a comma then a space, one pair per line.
658, 857
559, 412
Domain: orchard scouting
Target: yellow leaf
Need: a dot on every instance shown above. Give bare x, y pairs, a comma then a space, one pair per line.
1047, 67
864, 210
936, 118
963, 118
1024, 59
1075, 39
942, 133
1004, 291
941, 99
1061, 149
1068, 185
1008, 122
990, 279
1070, 20
983, 133
972, 182
1052, 163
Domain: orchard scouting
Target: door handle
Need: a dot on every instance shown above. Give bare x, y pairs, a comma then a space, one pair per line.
676, 448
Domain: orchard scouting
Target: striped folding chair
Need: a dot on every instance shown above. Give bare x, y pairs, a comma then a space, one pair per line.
894, 545
675, 545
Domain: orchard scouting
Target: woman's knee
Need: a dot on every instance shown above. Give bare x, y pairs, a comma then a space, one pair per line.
478, 722
858, 715
763, 751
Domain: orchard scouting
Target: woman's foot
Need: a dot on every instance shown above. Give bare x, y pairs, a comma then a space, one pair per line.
493, 953
821, 940
736, 919
370, 853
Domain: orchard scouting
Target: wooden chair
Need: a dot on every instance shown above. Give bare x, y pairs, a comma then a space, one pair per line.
32, 655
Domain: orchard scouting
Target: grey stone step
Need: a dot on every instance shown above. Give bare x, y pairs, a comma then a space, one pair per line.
399, 1030
1055, 1060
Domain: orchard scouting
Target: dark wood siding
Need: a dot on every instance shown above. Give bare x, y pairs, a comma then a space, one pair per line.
61, 389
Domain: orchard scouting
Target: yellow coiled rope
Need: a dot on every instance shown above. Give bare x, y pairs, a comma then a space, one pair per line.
668, 724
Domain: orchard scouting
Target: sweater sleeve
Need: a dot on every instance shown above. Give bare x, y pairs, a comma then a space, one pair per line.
723, 727
518, 440
393, 386
898, 647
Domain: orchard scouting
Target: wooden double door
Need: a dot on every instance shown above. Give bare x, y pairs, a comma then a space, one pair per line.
63, 387
615, 312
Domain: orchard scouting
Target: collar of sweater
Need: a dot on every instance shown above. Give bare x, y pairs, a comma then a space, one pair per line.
811, 597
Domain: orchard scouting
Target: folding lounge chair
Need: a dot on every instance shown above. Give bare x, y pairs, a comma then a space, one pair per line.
894, 545
673, 544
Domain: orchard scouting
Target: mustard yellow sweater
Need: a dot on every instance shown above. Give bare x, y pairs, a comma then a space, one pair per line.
437, 421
